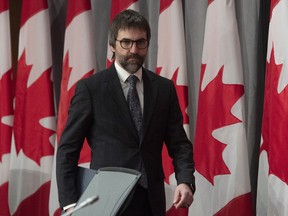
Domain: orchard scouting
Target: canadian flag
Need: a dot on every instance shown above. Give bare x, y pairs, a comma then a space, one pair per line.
116, 7
6, 105
79, 59
79, 62
272, 192
171, 63
34, 122
220, 148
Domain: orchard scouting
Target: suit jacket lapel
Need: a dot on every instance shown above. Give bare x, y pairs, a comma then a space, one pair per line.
150, 98
115, 88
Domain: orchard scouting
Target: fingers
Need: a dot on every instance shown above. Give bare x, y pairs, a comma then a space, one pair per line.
183, 203
177, 199
183, 197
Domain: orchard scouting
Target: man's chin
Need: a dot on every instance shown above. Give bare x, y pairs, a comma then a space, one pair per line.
133, 68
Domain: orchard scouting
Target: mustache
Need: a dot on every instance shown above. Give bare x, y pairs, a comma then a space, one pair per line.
134, 56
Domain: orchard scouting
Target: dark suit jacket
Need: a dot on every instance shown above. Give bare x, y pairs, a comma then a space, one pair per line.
99, 112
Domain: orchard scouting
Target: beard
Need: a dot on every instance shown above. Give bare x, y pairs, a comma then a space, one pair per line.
131, 63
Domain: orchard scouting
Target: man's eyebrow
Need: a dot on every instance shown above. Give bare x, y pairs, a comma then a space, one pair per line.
134, 40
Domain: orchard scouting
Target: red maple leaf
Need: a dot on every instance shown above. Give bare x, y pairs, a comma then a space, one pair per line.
214, 111
275, 121
6, 109
33, 103
66, 95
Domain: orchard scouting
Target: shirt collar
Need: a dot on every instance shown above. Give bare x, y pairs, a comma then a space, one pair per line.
123, 74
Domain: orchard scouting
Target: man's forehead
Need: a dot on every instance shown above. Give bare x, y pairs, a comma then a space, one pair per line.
132, 32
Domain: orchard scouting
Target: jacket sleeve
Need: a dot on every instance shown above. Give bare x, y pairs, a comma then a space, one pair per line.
71, 142
179, 146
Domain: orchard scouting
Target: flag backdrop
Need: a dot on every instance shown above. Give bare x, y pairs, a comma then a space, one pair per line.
6, 104
213, 50
34, 122
272, 196
79, 61
171, 63
79, 38
221, 155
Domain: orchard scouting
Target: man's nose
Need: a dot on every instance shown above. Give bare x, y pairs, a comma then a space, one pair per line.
134, 48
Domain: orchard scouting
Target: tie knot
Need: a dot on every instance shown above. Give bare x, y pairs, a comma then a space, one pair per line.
132, 79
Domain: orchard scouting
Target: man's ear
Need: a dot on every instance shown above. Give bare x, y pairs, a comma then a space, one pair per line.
112, 48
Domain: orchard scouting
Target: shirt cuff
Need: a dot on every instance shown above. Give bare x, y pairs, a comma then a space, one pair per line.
69, 206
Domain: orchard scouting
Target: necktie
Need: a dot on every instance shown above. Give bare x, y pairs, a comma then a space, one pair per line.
136, 113
134, 103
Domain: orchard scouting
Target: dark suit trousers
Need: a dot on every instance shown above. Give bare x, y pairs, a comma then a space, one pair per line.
139, 205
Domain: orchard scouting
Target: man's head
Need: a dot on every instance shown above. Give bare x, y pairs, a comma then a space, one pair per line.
128, 19
129, 39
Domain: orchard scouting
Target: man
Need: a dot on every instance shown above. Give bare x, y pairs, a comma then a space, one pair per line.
127, 128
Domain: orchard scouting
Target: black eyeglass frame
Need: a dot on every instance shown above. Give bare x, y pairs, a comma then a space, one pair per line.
132, 42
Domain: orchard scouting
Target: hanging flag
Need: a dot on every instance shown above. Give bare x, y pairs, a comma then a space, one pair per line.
116, 7
79, 62
34, 122
272, 192
171, 63
6, 105
220, 149
79, 59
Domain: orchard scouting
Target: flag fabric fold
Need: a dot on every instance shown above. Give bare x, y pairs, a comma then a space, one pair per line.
272, 191
79, 61
6, 105
171, 63
30, 134
34, 119
220, 147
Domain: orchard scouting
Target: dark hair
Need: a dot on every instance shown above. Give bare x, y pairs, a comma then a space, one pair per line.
128, 19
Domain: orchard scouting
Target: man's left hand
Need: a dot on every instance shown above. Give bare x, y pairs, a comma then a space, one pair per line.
183, 196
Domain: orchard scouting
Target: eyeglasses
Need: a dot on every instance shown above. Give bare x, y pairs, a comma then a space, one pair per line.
127, 43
